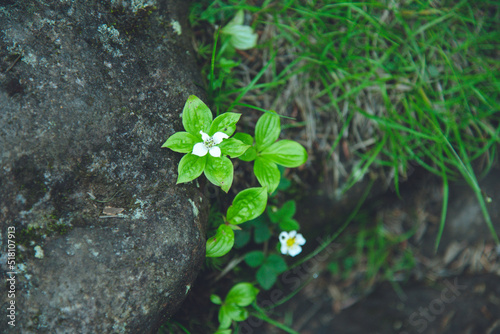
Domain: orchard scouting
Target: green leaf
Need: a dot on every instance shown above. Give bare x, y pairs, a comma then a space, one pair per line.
224, 317
289, 224
267, 130
215, 299
266, 277
277, 263
254, 259
221, 243
219, 171
181, 142
249, 155
286, 153
233, 147
267, 173
196, 116
261, 232
244, 137
223, 331
236, 312
241, 238
242, 294
247, 205
286, 211
190, 167
225, 123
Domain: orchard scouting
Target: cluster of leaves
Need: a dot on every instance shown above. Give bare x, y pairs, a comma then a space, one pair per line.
234, 306
208, 148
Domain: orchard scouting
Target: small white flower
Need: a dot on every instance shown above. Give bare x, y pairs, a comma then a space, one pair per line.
209, 144
291, 242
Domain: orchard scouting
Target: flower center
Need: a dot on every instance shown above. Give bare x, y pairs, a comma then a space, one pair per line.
290, 242
209, 143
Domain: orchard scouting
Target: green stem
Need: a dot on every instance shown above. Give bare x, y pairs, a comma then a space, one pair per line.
261, 314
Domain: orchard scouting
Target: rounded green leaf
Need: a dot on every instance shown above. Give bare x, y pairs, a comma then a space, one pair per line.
267, 173
247, 205
287, 153
219, 171
286, 211
254, 259
277, 263
181, 142
190, 167
221, 243
267, 130
233, 147
266, 276
225, 123
289, 224
196, 116
242, 294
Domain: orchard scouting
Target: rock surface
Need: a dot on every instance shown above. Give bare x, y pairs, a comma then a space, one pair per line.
89, 91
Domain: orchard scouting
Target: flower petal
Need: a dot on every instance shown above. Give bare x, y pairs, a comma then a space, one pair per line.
284, 249
204, 136
283, 236
292, 234
215, 151
200, 149
218, 137
299, 239
294, 250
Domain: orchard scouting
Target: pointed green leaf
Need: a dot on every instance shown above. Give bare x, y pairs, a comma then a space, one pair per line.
224, 317
247, 205
215, 299
287, 153
254, 259
267, 130
237, 313
196, 116
242, 294
225, 123
267, 173
190, 167
233, 147
181, 142
221, 243
219, 171
244, 137
249, 155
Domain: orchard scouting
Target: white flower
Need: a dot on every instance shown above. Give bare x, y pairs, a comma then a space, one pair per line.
242, 37
209, 144
291, 242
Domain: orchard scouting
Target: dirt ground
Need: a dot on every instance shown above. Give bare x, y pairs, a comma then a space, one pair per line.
456, 290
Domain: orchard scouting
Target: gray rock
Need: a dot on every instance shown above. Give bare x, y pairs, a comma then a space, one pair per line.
89, 91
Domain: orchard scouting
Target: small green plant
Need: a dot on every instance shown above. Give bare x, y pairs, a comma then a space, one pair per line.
206, 145
233, 308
